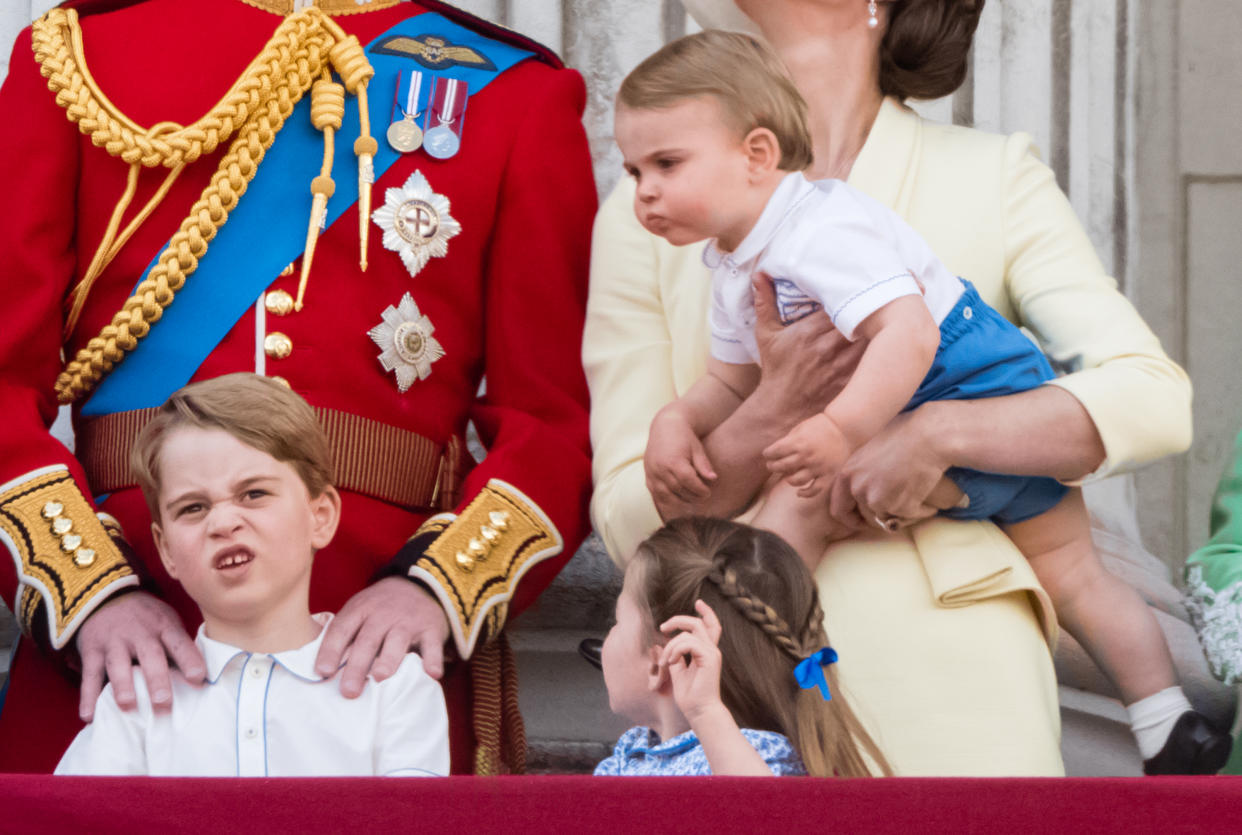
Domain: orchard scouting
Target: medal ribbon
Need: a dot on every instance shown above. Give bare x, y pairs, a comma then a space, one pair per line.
413, 88
267, 229
448, 102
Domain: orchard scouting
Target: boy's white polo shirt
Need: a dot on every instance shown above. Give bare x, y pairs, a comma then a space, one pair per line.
825, 245
270, 715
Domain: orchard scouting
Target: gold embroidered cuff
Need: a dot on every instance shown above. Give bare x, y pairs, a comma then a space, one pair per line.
476, 562
66, 558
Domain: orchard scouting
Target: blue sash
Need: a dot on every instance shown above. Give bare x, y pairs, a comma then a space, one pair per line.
267, 229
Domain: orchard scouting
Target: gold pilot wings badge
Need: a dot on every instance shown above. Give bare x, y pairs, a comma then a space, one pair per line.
434, 52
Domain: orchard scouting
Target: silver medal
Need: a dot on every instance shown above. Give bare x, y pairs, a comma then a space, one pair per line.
441, 142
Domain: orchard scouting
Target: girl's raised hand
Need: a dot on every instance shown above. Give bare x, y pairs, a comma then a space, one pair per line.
693, 661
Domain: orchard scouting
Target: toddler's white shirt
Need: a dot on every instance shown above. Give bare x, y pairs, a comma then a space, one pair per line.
270, 715
825, 245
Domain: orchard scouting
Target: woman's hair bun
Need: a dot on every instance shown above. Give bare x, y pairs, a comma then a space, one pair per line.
926, 49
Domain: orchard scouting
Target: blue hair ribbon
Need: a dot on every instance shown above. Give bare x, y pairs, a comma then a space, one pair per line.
810, 671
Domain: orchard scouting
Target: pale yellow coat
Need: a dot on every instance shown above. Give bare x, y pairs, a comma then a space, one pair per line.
943, 631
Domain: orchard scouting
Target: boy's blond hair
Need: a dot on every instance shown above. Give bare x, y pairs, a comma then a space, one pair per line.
257, 411
742, 74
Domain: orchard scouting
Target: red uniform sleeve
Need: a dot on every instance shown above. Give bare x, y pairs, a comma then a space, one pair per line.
525, 510
63, 560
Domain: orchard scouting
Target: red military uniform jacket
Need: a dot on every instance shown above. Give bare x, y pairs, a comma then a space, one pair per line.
506, 303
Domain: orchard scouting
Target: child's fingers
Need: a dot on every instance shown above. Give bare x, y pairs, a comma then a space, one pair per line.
702, 464
683, 645
686, 624
689, 482
711, 623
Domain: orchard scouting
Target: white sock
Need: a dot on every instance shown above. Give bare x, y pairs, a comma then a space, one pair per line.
1152, 719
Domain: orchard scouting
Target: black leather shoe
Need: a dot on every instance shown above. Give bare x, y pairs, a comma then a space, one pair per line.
1194, 747
592, 649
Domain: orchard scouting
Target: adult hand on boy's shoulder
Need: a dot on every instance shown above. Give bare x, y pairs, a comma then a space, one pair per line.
378, 626
134, 627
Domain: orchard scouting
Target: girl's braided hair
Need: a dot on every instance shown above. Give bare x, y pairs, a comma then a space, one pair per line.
770, 619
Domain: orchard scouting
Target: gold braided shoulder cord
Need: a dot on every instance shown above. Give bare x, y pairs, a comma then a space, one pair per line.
299, 52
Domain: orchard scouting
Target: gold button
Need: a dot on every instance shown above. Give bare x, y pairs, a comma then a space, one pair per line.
277, 346
84, 557
490, 535
278, 303
476, 548
61, 525
52, 509
278, 379
70, 542
465, 562
499, 519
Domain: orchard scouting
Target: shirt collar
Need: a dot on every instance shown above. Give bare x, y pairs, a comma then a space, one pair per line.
788, 192
300, 661
649, 744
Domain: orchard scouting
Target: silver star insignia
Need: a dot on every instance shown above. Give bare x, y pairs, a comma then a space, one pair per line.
406, 344
416, 222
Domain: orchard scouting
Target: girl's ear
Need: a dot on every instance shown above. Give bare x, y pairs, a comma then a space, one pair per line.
763, 152
657, 676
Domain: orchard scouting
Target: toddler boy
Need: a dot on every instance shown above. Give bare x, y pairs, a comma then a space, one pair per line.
237, 474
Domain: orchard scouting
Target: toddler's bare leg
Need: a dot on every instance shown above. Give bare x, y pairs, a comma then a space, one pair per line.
1102, 611
803, 523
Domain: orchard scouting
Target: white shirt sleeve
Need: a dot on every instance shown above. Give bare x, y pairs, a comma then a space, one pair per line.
412, 730
850, 263
115, 741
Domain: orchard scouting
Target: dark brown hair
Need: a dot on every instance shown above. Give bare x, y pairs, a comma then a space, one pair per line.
925, 51
258, 411
743, 75
770, 619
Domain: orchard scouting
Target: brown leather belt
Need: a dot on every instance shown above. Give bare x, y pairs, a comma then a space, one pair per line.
369, 457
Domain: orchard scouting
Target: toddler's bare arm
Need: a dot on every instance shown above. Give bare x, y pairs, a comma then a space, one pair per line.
902, 338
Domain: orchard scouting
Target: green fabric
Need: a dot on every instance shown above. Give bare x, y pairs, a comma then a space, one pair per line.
1214, 586
1221, 557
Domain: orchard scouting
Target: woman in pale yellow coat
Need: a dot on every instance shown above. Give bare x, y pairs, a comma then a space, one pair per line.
943, 632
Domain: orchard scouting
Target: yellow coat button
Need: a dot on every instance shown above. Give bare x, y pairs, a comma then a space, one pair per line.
277, 346
84, 557
278, 303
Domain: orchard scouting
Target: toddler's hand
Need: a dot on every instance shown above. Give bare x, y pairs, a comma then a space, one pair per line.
693, 661
676, 463
810, 456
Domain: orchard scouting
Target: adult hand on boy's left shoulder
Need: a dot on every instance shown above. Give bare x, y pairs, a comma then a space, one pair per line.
378, 626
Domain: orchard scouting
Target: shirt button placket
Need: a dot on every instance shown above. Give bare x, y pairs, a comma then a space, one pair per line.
251, 698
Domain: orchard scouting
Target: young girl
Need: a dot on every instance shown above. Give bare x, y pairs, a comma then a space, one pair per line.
719, 654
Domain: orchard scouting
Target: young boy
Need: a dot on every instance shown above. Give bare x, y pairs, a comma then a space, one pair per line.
716, 137
237, 474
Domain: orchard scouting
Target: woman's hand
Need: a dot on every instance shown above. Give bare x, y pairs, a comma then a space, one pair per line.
896, 476
805, 364
693, 661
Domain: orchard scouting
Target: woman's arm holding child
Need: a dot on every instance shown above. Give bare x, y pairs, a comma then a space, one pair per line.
902, 339
693, 663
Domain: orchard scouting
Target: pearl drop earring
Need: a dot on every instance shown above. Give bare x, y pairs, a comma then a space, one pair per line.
872, 20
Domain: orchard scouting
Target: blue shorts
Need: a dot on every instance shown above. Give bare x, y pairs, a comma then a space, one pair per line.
983, 354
